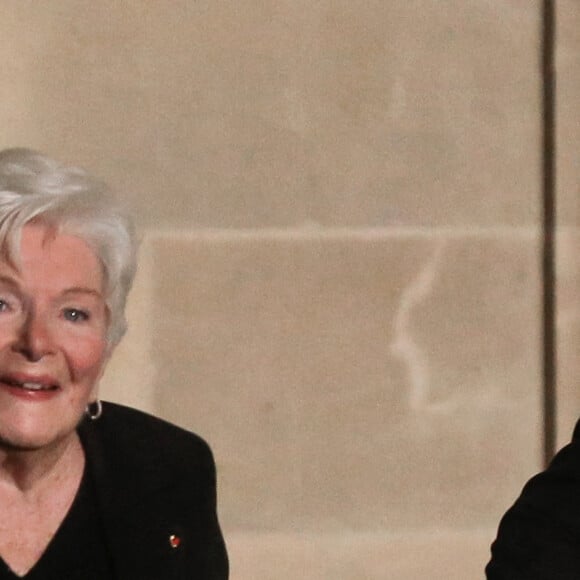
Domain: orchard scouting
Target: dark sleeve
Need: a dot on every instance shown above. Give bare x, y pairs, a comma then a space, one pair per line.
539, 536
216, 554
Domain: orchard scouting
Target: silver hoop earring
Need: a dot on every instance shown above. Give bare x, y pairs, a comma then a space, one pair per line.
94, 410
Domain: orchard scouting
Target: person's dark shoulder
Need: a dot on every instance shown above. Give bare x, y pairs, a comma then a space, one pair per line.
133, 423
137, 440
555, 492
538, 537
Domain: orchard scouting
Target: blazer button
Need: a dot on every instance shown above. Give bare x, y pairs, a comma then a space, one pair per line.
174, 541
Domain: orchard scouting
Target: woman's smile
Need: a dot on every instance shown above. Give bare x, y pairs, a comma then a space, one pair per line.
32, 387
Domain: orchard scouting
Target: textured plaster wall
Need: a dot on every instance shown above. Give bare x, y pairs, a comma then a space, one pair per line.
339, 285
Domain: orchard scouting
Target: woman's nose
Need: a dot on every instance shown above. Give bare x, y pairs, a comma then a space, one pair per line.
33, 340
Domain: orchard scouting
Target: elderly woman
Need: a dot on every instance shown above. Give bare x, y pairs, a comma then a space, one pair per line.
87, 489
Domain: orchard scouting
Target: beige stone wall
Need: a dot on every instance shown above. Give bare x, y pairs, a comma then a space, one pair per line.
340, 283
568, 174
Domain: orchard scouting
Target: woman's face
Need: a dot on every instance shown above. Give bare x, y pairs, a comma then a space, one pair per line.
53, 324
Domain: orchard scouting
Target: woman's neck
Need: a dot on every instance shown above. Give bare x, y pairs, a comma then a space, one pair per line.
37, 488
33, 472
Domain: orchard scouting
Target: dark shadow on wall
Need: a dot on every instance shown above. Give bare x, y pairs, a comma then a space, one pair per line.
548, 228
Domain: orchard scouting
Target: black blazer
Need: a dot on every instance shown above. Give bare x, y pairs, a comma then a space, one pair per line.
539, 536
156, 489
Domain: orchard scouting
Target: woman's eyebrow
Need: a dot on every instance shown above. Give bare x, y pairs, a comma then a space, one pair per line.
8, 281
79, 290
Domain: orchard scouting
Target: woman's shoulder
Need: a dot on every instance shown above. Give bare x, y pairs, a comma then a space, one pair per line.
153, 479
120, 418
135, 436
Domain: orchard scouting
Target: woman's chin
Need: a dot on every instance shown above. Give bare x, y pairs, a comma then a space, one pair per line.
32, 439
32, 425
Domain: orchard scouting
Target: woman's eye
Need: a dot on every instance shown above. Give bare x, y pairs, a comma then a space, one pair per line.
4, 305
75, 315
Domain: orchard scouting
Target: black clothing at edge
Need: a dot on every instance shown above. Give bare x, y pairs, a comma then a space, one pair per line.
539, 536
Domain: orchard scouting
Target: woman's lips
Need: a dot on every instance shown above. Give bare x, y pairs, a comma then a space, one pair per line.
29, 386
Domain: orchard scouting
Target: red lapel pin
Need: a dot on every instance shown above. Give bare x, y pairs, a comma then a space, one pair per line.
174, 541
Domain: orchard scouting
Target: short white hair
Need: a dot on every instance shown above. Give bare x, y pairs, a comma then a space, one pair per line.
35, 188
